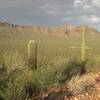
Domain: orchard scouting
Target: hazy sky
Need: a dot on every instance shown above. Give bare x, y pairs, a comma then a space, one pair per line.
51, 12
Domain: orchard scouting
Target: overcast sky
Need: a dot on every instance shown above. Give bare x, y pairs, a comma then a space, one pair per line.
51, 12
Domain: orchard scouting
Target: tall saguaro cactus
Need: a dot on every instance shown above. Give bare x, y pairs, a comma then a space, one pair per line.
84, 43
32, 53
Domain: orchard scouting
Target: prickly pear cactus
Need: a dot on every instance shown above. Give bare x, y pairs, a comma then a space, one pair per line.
32, 53
84, 47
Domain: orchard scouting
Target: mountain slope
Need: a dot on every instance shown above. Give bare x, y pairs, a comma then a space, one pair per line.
10, 31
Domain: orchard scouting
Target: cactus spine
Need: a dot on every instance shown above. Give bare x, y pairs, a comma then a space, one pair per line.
32, 53
84, 47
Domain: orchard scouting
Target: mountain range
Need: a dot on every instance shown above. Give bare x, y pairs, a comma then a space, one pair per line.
11, 31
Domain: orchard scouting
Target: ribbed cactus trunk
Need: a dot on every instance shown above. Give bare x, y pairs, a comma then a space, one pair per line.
32, 53
84, 43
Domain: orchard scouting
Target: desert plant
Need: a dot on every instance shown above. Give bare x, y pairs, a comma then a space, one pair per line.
74, 68
3, 80
32, 53
84, 29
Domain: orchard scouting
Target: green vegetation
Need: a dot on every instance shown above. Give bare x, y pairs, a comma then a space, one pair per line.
32, 53
56, 63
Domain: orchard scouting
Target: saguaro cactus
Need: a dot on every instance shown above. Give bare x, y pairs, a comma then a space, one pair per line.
32, 53
84, 47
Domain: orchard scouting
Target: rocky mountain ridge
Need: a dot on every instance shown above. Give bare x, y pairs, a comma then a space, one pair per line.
28, 31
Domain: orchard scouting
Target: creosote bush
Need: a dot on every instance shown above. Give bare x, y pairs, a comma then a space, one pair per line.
74, 68
23, 82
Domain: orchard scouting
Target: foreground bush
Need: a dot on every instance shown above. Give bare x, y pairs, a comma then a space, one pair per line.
70, 68
20, 82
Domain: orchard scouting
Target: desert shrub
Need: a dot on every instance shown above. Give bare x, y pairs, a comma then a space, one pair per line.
68, 68
93, 63
12, 59
23, 82
30, 82
11, 80
3, 67
42, 79
3, 72
74, 68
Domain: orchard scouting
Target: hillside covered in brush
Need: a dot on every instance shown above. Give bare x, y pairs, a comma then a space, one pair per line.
11, 31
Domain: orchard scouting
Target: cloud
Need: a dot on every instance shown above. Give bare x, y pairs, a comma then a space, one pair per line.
86, 4
77, 3
51, 9
96, 3
94, 19
87, 7
49, 6
83, 4
50, 12
91, 19
55, 10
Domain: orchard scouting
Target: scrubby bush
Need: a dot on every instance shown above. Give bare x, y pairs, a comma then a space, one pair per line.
73, 68
23, 82
3, 80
